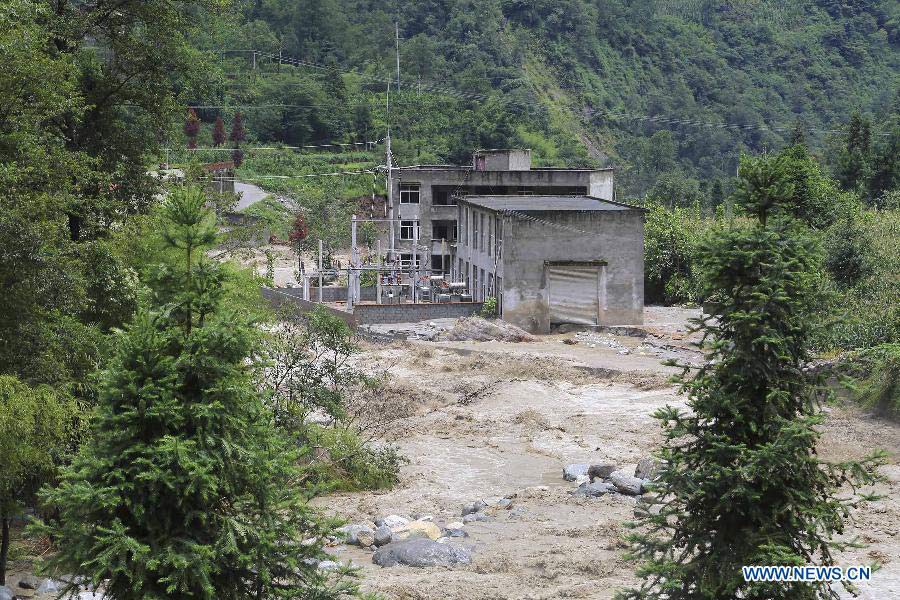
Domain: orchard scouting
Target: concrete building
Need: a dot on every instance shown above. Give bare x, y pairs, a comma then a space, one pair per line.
425, 198
553, 259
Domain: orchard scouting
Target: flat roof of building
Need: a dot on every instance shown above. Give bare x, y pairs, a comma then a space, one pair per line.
470, 168
545, 203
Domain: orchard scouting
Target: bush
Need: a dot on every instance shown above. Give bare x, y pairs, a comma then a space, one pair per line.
875, 379
671, 239
343, 461
489, 308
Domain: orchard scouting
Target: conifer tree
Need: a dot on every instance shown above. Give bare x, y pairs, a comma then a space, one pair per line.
238, 135
219, 132
185, 490
741, 483
855, 160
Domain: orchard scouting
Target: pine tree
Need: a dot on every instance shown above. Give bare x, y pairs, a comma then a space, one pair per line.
219, 132
798, 134
741, 483
185, 490
855, 161
238, 135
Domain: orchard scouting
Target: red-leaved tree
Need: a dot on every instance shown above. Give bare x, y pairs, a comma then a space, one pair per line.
219, 132
298, 233
192, 127
238, 135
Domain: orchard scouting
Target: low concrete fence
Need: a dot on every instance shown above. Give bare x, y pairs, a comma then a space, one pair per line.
277, 297
377, 314
331, 293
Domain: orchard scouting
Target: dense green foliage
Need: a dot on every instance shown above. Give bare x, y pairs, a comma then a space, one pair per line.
646, 85
185, 488
875, 378
322, 399
36, 425
741, 483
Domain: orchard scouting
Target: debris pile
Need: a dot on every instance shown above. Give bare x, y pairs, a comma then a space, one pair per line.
481, 330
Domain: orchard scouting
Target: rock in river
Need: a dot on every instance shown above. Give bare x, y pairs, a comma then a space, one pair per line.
421, 552
573, 472
626, 484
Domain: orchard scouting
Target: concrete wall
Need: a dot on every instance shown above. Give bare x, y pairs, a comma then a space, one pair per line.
335, 293
619, 241
371, 314
466, 180
278, 297
527, 247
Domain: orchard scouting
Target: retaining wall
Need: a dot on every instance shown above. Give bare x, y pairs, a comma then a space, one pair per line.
375, 314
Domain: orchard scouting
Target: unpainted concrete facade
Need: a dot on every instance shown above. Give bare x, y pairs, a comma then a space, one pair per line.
428, 194
507, 249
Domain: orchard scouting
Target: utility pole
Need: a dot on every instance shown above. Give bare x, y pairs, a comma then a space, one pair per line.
415, 262
321, 281
378, 274
390, 196
352, 272
397, 32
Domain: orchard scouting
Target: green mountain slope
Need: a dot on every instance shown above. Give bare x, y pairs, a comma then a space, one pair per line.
658, 89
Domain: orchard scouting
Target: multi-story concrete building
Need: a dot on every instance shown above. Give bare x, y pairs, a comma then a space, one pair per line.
425, 198
553, 259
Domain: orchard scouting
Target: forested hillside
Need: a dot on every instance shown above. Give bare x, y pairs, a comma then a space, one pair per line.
669, 92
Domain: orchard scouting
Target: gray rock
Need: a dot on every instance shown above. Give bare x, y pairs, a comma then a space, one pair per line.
49, 586
30, 582
392, 521
518, 511
626, 484
573, 472
600, 471
594, 490
383, 535
455, 533
505, 503
6, 593
329, 565
421, 552
350, 532
473, 508
471, 518
647, 468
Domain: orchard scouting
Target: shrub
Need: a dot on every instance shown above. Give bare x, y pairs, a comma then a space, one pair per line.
875, 382
489, 308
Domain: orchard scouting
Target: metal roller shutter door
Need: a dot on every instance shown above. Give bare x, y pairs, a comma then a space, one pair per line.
574, 295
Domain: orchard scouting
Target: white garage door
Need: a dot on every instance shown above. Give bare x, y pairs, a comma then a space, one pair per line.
574, 296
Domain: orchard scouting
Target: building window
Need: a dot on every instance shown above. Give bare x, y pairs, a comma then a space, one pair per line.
474, 230
481, 242
409, 193
437, 263
499, 239
408, 230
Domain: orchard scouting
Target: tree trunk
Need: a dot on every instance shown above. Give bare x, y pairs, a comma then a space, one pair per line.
4, 549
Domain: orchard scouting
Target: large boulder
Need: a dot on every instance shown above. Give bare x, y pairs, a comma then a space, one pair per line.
351, 533
383, 535
626, 484
421, 552
593, 490
5, 593
600, 471
576, 471
392, 521
425, 529
365, 538
647, 468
